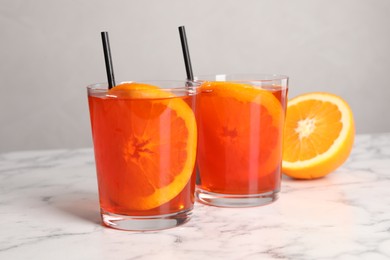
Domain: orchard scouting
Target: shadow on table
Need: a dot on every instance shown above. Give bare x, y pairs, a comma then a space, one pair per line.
81, 204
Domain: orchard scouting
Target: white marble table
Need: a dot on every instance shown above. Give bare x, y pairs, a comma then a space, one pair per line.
49, 210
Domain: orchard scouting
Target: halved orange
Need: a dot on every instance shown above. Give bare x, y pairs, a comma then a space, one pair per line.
151, 154
318, 136
240, 134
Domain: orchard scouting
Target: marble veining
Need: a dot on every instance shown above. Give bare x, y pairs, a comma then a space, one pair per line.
49, 210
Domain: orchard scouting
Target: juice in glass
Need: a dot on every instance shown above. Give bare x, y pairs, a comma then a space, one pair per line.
240, 124
145, 139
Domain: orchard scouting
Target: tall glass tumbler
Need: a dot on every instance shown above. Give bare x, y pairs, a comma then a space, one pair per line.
240, 123
145, 141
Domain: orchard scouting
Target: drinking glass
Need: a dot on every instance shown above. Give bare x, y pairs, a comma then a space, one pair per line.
240, 123
145, 138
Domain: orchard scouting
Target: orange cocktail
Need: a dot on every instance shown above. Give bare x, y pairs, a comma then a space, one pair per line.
145, 138
240, 122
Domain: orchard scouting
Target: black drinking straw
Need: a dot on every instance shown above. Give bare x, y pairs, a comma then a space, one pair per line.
186, 53
108, 60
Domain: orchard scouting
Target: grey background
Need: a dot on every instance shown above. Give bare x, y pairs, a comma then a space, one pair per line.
50, 50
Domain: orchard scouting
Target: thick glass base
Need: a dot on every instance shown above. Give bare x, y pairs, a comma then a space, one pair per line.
145, 223
234, 200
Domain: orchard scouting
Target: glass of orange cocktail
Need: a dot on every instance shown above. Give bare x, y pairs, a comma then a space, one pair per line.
240, 132
145, 138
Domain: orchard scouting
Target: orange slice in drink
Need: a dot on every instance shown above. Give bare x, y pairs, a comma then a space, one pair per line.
240, 137
319, 135
155, 134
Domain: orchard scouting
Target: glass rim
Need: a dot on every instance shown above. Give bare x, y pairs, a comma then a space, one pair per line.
242, 77
176, 88
194, 84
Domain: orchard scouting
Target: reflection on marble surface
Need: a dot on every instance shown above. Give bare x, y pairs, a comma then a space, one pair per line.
49, 209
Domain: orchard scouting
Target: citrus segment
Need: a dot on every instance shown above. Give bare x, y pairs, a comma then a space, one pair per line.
156, 133
319, 134
139, 90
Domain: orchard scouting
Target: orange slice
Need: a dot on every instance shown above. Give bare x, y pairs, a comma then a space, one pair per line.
319, 135
240, 134
155, 134
139, 90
